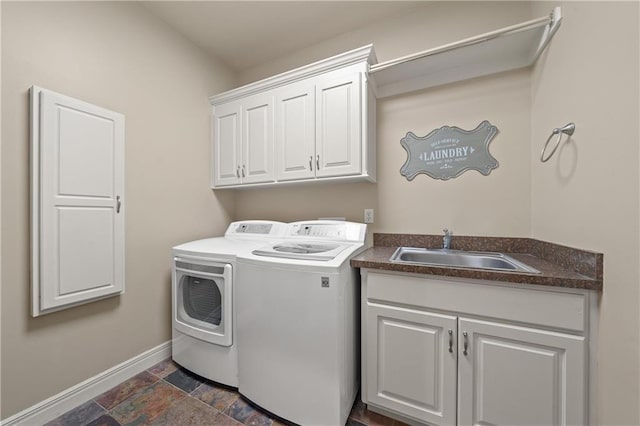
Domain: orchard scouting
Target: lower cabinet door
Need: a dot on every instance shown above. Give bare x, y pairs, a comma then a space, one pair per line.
411, 363
511, 375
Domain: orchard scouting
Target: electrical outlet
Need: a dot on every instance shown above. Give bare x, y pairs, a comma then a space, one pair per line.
368, 215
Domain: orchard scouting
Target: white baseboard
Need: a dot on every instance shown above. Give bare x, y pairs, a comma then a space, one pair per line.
53, 407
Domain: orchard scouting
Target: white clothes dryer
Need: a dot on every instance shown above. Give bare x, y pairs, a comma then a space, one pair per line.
203, 313
298, 318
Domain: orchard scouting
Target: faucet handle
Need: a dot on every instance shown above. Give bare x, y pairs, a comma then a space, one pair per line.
446, 231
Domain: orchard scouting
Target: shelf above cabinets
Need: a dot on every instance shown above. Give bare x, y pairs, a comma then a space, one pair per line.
509, 48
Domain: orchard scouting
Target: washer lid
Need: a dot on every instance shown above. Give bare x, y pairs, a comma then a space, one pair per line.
302, 250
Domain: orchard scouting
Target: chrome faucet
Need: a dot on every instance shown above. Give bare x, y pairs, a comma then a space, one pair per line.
446, 240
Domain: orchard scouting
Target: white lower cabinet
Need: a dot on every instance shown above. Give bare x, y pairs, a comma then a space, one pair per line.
448, 358
512, 375
411, 362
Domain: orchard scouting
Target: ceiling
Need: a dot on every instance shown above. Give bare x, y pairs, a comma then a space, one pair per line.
244, 34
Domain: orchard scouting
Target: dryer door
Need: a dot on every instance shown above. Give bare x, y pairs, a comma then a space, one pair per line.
202, 299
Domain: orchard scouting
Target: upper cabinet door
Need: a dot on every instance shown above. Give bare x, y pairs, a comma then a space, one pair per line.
227, 147
511, 375
339, 127
295, 131
257, 139
78, 202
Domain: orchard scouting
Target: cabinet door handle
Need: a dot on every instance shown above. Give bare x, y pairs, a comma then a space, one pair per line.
451, 341
311, 162
318, 162
238, 171
243, 174
118, 204
466, 343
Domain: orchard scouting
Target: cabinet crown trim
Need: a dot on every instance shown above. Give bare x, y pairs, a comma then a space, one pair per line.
361, 54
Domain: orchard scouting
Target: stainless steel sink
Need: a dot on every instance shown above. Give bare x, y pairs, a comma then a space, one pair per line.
460, 259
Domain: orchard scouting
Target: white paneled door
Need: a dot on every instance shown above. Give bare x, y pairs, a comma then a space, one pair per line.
257, 139
227, 147
338, 127
511, 375
295, 131
77, 202
411, 362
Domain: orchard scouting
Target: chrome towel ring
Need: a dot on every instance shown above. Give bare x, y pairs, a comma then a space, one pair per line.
567, 130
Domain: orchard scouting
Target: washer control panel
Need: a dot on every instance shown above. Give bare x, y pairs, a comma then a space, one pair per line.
257, 227
330, 230
254, 228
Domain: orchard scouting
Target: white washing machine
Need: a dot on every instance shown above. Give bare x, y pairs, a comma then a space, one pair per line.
203, 314
298, 316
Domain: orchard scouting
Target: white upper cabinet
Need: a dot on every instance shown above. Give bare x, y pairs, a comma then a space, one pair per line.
295, 131
243, 141
314, 123
257, 139
338, 129
227, 144
77, 168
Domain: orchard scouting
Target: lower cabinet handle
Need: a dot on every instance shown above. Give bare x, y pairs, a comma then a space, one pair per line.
451, 341
238, 171
318, 162
243, 171
466, 343
311, 162
118, 204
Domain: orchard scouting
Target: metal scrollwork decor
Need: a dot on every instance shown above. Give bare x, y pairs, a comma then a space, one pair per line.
448, 152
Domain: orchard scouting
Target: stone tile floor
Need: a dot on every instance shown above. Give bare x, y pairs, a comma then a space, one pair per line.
167, 394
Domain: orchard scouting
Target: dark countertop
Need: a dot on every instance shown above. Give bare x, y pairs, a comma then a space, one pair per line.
559, 266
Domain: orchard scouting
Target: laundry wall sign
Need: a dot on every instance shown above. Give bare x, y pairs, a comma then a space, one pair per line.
448, 152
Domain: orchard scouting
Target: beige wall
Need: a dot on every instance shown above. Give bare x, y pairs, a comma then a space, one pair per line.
587, 194
119, 57
498, 204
